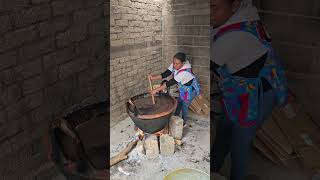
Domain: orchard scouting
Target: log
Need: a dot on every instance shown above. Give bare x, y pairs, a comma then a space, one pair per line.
124, 153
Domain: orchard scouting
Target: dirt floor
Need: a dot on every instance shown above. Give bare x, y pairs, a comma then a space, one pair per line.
194, 153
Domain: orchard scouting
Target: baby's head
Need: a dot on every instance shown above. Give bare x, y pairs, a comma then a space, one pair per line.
222, 10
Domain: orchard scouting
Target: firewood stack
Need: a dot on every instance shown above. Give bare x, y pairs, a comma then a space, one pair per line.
200, 105
290, 135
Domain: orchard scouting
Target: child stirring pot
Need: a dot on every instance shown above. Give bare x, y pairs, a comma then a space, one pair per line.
187, 83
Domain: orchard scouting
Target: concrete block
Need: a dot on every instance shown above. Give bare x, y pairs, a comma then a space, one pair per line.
32, 15
57, 57
51, 27
14, 93
8, 59
19, 37
5, 23
167, 145
65, 7
176, 127
36, 49
94, 3
185, 40
33, 84
87, 15
98, 28
184, 20
72, 67
92, 47
151, 146
29, 69
39, 1
75, 34
10, 5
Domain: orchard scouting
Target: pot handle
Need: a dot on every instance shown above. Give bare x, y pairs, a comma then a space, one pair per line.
135, 110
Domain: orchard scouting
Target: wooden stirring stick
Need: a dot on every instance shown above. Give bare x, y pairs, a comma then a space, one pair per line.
150, 84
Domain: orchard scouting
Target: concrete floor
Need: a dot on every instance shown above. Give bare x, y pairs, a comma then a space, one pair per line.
193, 154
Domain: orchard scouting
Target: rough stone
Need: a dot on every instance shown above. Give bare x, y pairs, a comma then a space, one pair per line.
151, 146
176, 127
167, 145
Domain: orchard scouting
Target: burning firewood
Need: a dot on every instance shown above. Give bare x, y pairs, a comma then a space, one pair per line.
123, 155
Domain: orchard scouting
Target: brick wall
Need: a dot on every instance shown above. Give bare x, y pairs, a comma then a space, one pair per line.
135, 49
52, 58
186, 28
294, 26
145, 35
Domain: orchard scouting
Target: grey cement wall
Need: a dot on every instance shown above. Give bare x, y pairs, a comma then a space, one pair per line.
186, 28
145, 35
52, 58
295, 28
135, 49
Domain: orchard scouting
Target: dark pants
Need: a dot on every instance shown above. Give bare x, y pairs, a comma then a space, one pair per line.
231, 137
183, 107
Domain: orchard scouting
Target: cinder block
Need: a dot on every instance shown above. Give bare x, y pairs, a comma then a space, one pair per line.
65, 7
73, 67
167, 145
87, 15
32, 15
51, 27
10, 5
151, 146
39, 1
19, 37
176, 127
8, 59
57, 57
75, 34
5, 23
36, 49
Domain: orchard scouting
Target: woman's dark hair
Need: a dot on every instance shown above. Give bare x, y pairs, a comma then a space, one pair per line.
181, 56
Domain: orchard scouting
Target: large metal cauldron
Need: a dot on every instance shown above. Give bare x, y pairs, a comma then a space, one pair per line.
148, 117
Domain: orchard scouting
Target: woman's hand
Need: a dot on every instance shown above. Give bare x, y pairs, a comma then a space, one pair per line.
154, 77
161, 88
150, 76
153, 92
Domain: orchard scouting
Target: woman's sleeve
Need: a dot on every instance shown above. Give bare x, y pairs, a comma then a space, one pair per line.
166, 73
236, 49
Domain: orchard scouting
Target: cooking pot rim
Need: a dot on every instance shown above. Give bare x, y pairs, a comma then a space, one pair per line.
153, 116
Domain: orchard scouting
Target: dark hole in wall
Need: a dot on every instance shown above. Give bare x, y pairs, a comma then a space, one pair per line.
87, 150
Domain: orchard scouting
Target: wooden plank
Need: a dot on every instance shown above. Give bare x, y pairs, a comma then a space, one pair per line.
196, 105
266, 151
280, 155
205, 109
310, 157
273, 131
299, 129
